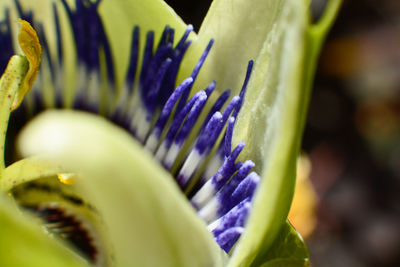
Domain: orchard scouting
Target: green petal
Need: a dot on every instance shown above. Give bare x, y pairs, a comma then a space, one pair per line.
23, 243
288, 250
271, 122
240, 29
149, 221
269, 126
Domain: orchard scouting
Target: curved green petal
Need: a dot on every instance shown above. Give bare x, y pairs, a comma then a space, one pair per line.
23, 243
269, 126
149, 221
272, 119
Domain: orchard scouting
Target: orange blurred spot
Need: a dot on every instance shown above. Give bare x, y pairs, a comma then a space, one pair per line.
302, 213
67, 178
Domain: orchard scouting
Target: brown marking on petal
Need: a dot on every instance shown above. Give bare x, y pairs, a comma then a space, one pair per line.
68, 228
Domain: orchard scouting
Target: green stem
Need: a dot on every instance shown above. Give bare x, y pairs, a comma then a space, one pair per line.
316, 35
10, 82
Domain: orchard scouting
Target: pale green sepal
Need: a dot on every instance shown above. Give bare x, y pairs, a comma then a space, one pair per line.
240, 29
269, 125
143, 209
23, 243
10, 82
149, 15
288, 250
272, 119
26, 170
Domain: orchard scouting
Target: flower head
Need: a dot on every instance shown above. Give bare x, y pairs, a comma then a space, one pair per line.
185, 167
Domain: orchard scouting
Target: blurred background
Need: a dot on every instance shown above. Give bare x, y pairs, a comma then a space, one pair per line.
347, 205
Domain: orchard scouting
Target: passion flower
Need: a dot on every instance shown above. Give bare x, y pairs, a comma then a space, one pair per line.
166, 167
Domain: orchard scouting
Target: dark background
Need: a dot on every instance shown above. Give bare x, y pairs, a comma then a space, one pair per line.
352, 135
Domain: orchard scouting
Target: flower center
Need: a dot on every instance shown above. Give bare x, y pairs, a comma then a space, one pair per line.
189, 134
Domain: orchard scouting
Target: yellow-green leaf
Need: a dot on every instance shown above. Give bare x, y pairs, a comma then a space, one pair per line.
288, 250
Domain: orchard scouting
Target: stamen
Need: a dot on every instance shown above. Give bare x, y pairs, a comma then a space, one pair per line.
165, 119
